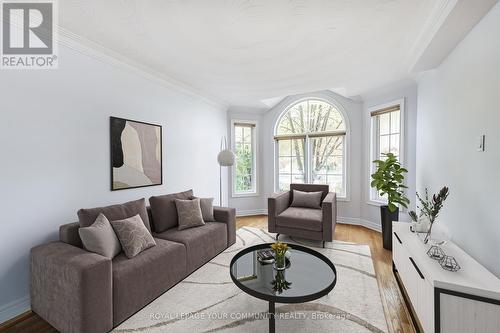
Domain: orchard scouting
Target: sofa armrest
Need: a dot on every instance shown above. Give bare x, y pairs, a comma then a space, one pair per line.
72, 288
329, 207
228, 216
276, 204
68, 233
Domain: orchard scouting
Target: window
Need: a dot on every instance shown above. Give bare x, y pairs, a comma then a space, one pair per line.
310, 141
387, 136
244, 146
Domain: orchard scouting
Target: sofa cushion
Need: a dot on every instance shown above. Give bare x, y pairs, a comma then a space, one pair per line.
115, 212
207, 209
133, 235
202, 243
139, 280
301, 218
306, 199
164, 211
100, 238
189, 212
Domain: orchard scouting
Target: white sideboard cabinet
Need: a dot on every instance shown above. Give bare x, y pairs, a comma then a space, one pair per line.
465, 301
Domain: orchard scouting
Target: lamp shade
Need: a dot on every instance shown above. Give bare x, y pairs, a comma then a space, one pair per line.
226, 158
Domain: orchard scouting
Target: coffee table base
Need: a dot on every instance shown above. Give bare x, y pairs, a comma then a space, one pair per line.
272, 314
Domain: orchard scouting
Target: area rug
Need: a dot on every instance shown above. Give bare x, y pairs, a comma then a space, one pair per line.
208, 301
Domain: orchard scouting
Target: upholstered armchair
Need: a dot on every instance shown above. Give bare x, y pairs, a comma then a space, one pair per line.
311, 223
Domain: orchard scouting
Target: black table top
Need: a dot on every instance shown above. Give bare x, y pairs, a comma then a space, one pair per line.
309, 276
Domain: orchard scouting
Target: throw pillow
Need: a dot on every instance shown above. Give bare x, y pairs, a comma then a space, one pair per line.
164, 210
115, 212
100, 238
207, 208
306, 199
189, 212
133, 235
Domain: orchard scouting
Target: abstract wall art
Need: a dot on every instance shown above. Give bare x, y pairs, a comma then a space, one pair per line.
136, 154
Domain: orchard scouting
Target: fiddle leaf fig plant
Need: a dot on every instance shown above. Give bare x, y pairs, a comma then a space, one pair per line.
388, 180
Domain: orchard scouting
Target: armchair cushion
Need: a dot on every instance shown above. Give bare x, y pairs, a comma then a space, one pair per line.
310, 188
307, 199
301, 218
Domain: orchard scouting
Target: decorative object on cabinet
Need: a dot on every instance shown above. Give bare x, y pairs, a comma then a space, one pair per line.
449, 263
435, 252
430, 208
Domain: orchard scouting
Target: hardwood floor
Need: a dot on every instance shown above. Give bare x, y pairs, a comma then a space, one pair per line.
396, 312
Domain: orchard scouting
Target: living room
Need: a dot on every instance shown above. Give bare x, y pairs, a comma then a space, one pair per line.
321, 166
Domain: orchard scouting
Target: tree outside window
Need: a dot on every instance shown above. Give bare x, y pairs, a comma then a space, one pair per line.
244, 179
310, 138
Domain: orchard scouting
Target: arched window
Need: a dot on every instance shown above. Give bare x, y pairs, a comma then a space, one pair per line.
310, 146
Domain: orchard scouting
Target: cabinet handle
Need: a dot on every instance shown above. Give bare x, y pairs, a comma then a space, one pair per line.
416, 267
399, 240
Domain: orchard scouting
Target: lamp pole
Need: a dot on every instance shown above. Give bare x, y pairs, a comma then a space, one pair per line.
225, 158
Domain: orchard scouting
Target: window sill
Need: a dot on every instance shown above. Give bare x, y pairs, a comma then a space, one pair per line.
245, 195
377, 203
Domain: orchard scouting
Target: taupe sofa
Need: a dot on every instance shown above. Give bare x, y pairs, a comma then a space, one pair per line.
310, 223
78, 291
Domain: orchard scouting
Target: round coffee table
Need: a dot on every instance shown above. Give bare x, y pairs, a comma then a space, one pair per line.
309, 275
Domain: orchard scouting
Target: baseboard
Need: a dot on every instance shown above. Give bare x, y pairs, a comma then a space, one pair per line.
251, 212
359, 221
15, 308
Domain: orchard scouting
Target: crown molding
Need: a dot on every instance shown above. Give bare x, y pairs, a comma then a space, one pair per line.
96, 51
441, 11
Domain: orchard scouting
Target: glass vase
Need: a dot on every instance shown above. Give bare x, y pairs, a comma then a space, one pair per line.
279, 262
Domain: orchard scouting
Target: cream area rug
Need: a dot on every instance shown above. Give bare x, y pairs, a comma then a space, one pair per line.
208, 301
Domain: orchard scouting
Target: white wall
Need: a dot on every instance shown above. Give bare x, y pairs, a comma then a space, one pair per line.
456, 104
54, 148
407, 90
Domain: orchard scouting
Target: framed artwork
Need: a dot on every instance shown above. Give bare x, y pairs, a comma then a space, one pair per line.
136, 154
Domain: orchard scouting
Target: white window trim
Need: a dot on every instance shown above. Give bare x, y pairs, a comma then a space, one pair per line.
255, 135
346, 150
372, 194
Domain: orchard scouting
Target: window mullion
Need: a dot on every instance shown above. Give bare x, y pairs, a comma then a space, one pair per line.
307, 160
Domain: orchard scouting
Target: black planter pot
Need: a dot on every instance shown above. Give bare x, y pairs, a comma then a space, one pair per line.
387, 217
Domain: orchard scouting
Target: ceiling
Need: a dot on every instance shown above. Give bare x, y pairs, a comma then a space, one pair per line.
247, 52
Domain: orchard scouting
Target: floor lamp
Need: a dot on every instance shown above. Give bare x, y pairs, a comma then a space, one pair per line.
225, 158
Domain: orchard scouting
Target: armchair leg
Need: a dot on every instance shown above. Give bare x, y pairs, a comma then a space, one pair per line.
277, 235
323, 244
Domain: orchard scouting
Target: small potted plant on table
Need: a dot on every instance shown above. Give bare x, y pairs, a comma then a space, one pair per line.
388, 179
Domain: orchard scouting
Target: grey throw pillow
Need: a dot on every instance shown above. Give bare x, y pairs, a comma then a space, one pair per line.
100, 238
306, 199
189, 212
133, 235
207, 208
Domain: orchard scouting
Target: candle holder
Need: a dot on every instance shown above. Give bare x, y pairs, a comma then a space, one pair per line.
436, 253
449, 263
